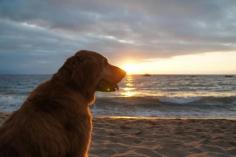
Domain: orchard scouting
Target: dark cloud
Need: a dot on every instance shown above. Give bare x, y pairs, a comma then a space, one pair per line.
44, 33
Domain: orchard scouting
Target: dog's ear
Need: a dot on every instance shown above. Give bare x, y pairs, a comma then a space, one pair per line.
81, 73
85, 74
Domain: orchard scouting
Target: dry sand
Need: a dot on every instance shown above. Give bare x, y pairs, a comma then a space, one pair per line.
161, 137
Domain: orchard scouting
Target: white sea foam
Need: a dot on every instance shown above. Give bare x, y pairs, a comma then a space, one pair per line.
10, 103
179, 100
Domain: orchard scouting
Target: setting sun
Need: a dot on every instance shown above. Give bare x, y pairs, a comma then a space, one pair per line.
130, 68
207, 63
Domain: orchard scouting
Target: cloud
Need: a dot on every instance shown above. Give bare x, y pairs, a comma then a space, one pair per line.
55, 29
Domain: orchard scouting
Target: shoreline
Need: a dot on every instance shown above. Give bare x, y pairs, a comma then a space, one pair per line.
154, 137
4, 115
161, 118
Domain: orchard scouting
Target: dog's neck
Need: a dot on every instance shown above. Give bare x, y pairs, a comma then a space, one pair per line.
88, 95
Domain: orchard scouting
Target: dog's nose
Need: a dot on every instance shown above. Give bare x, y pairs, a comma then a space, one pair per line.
121, 73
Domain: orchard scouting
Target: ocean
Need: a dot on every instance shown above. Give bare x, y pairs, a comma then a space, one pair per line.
162, 96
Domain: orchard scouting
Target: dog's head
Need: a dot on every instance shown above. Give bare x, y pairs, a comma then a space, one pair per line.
88, 71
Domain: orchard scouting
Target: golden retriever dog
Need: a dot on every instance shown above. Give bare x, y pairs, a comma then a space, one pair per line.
55, 120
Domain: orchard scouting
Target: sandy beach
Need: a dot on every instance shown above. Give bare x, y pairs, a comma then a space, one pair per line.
122, 137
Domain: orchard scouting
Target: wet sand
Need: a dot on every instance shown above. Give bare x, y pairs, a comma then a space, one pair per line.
119, 137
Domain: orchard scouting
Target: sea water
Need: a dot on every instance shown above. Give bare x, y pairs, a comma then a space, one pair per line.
163, 96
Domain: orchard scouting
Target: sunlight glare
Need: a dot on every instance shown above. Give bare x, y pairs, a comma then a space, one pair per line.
204, 63
131, 68
129, 90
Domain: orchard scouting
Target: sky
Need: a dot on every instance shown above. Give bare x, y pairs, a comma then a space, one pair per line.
143, 36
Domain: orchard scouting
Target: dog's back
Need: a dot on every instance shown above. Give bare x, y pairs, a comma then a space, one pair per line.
9, 140
46, 125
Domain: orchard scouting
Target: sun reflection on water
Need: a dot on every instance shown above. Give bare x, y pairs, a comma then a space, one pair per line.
129, 89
